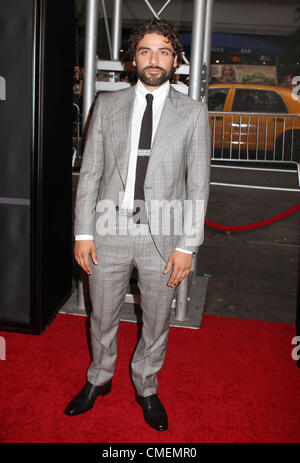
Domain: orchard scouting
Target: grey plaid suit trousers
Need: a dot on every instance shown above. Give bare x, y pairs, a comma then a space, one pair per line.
108, 284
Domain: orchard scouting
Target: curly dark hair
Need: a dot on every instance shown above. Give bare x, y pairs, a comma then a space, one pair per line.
159, 26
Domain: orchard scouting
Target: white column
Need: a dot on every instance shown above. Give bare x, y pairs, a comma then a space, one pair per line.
117, 29
197, 48
90, 51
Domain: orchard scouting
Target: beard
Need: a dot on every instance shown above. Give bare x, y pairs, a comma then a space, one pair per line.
154, 80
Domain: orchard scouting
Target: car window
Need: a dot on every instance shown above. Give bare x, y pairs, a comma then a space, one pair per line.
216, 98
258, 101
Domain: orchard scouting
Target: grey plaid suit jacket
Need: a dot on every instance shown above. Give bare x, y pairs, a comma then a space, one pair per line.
178, 171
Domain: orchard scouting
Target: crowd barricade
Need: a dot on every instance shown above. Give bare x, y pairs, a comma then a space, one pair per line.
255, 137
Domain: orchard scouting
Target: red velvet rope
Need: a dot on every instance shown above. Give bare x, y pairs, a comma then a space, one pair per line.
251, 226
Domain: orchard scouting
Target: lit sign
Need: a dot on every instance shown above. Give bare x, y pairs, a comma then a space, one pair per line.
218, 49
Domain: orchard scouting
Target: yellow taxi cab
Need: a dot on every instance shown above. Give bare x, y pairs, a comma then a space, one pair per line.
259, 120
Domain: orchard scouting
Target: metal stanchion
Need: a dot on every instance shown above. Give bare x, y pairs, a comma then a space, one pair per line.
89, 87
90, 52
117, 30
194, 92
181, 300
197, 48
207, 47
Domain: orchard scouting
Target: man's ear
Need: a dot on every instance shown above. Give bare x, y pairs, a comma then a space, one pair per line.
175, 62
134, 62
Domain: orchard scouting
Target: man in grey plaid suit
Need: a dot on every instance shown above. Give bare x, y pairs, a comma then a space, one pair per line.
112, 234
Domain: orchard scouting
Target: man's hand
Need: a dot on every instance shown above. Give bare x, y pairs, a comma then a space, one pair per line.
182, 263
82, 250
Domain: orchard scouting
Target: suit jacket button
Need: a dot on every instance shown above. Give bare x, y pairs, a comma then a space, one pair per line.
117, 208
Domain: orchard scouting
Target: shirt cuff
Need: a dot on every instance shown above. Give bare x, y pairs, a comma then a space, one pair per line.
83, 237
90, 237
184, 250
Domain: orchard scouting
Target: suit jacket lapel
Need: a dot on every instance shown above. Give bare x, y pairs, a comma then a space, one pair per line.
120, 121
166, 129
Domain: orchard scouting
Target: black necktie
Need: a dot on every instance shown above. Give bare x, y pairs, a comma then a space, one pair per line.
144, 150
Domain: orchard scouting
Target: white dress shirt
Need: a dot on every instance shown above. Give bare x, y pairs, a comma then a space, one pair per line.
159, 97
140, 103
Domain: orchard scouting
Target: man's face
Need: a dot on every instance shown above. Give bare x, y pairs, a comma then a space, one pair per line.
154, 60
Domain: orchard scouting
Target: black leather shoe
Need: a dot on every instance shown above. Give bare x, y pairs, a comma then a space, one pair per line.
154, 413
84, 401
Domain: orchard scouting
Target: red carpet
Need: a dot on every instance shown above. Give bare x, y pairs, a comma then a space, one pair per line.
231, 381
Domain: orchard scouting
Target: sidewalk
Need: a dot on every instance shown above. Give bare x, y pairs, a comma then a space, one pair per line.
252, 274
